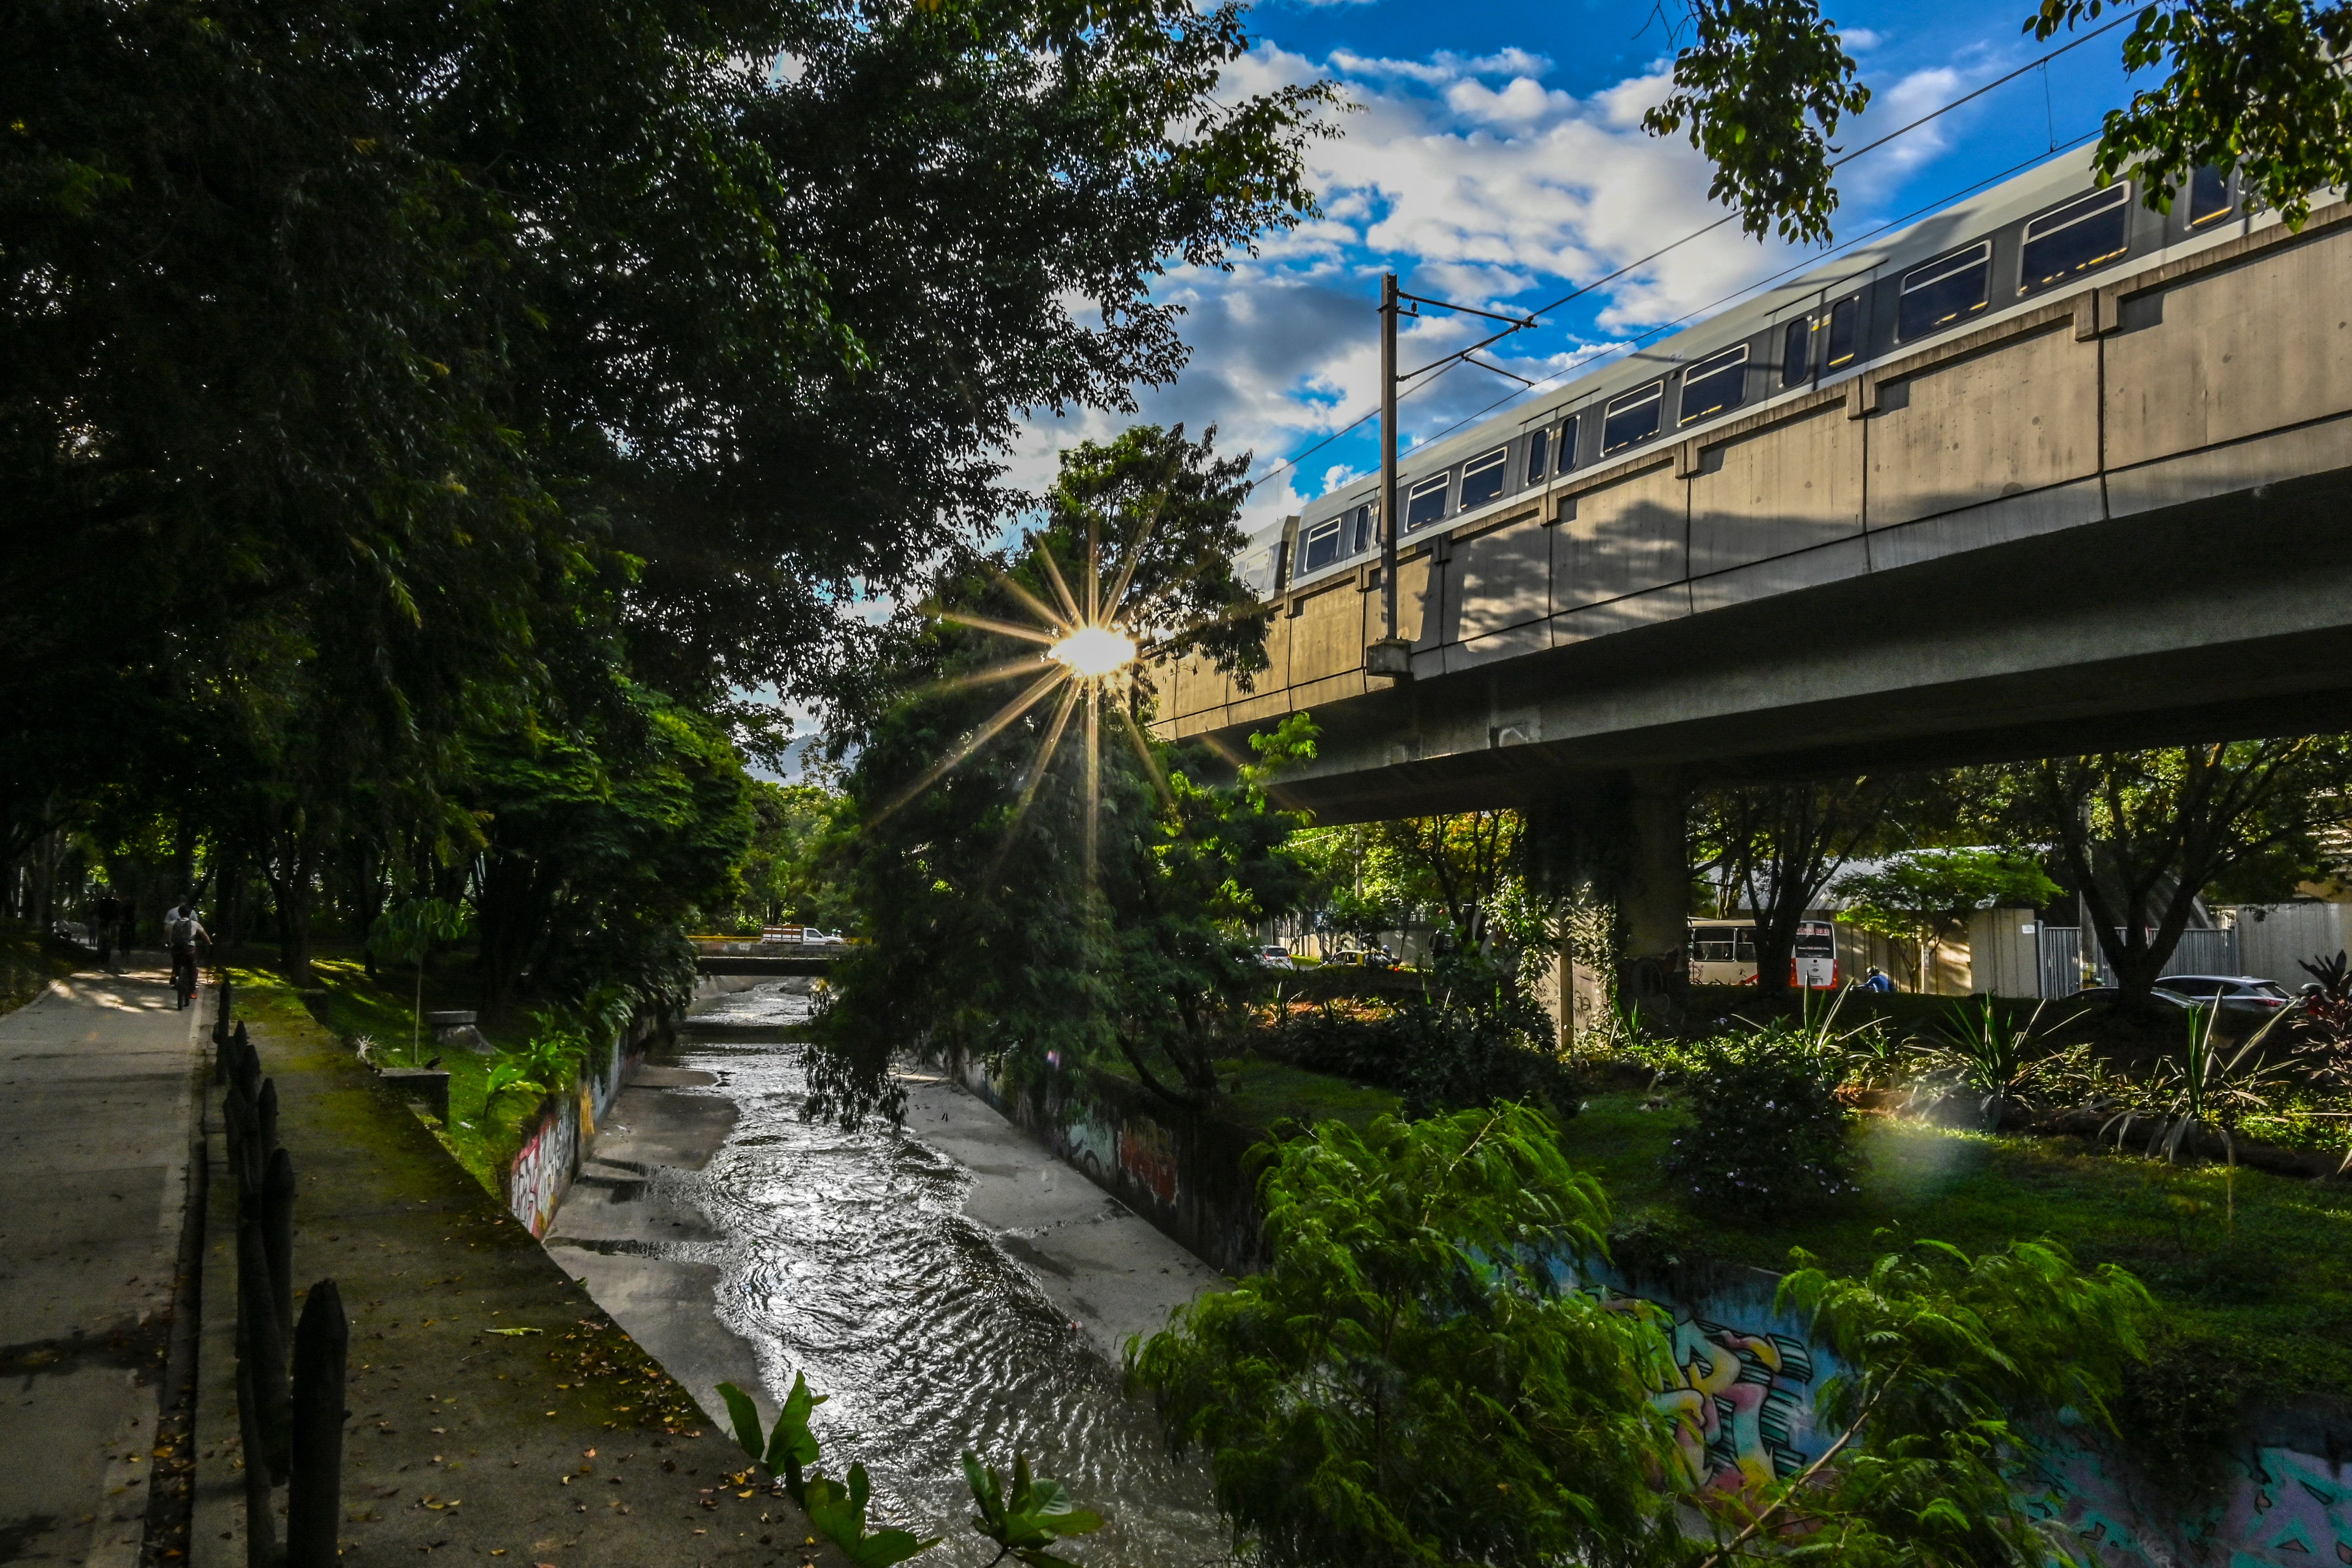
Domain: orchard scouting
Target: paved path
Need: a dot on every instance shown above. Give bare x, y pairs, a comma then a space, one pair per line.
98, 1079
496, 1412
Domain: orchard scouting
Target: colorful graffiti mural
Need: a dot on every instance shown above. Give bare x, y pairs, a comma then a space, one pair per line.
1740, 1400
1146, 1152
543, 1168
1739, 1407
1741, 1396
2283, 1509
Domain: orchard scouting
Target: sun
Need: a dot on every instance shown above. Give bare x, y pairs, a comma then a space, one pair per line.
1093, 651
1083, 654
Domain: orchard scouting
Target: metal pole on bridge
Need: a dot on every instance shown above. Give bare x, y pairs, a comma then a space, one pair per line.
1392, 656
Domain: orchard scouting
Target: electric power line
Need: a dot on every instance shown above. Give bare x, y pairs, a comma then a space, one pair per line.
1448, 362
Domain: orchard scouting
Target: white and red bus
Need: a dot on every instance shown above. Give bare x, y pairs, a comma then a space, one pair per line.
1723, 952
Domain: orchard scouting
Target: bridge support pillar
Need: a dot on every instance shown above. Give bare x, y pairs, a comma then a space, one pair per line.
1653, 903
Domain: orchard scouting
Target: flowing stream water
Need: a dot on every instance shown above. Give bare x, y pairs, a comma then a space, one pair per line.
846, 1259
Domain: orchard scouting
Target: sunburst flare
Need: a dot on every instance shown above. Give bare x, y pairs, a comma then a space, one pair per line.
1088, 657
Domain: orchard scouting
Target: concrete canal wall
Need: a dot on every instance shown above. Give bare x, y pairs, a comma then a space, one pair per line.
1184, 1175
542, 1169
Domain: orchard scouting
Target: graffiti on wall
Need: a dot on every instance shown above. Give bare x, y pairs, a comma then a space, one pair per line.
1147, 1153
542, 1169
1092, 1146
2284, 1509
1742, 1403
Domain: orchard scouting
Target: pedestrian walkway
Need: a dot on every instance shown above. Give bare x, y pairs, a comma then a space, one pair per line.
496, 1411
98, 1077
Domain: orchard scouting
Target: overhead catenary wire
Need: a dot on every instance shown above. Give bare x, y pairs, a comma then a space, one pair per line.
1441, 366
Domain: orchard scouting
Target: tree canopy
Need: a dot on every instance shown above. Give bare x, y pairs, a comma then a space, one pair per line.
412, 411
2257, 87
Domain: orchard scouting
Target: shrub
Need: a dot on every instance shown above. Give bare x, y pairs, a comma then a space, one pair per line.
1767, 1132
1437, 1056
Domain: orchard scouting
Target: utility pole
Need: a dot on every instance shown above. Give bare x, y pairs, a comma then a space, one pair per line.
1392, 656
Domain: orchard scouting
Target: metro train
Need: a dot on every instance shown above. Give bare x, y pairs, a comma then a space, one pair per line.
2007, 249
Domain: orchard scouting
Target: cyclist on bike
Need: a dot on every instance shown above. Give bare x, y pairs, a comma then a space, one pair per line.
183, 930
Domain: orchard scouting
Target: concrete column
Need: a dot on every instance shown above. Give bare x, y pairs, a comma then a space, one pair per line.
1654, 901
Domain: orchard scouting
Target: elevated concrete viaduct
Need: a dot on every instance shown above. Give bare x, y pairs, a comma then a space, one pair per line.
2123, 517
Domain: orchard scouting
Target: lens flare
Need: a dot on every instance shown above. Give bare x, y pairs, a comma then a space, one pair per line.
1093, 651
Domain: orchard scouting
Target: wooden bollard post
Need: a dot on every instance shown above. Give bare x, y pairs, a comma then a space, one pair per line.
261, 1522
267, 1104
278, 1232
261, 1347
314, 1496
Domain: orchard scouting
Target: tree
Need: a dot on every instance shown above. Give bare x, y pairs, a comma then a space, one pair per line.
1927, 895
2251, 87
386, 349
787, 871
1777, 846
1038, 878
599, 841
1407, 1382
2143, 834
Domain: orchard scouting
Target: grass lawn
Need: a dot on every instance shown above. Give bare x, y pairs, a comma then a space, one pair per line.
2273, 1292
348, 1004
1261, 1092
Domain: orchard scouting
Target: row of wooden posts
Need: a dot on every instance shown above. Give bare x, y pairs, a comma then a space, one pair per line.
292, 1425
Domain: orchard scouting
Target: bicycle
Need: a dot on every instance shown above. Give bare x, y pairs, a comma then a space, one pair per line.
183, 976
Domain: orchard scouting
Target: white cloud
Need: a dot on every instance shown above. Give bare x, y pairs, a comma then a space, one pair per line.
1477, 183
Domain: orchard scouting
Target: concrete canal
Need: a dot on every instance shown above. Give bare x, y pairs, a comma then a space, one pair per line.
950, 1285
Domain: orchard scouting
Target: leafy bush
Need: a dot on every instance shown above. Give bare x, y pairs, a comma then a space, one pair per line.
1437, 1056
1407, 1383
1767, 1132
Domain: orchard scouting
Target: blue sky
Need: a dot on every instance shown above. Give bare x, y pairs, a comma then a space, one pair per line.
1495, 157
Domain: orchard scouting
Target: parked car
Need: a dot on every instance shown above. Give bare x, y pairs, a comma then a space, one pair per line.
1364, 957
1274, 955
2240, 992
2109, 994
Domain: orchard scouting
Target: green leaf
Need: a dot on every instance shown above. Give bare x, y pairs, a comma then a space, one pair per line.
746, 1417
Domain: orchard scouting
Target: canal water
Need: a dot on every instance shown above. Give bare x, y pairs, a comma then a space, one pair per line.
846, 1259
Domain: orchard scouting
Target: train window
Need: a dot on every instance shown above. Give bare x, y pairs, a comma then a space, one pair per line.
1944, 290
1568, 443
1426, 504
1320, 547
1845, 333
1630, 418
1361, 537
1482, 477
1714, 385
1538, 455
2209, 196
1797, 353
2075, 238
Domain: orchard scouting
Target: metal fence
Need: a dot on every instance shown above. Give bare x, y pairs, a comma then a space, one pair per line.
2209, 951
